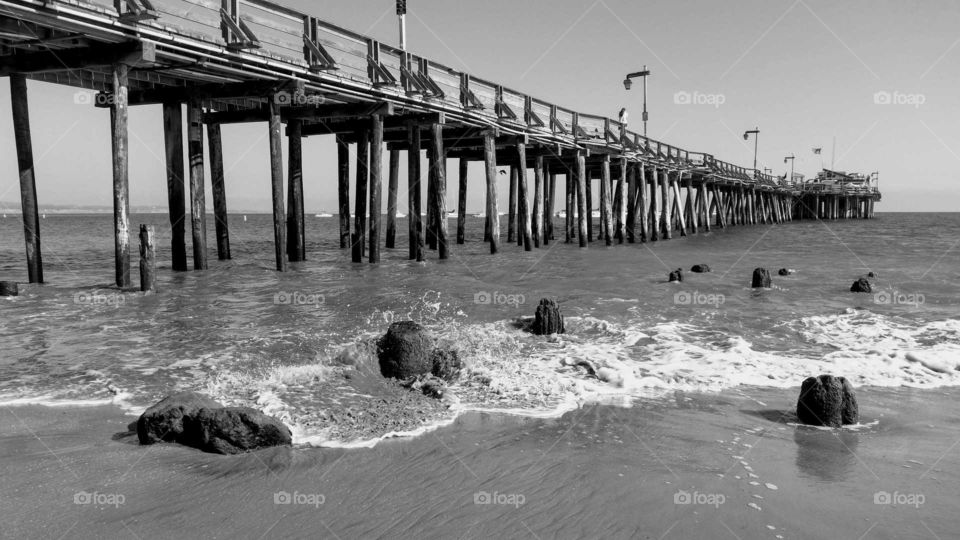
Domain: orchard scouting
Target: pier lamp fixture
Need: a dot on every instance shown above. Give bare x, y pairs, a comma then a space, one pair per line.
756, 140
790, 158
402, 13
628, 83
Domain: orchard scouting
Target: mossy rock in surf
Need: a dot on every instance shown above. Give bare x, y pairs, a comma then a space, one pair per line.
233, 430
700, 268
676, 275
761, 278
548, 319
861, 285
446, 364
827, 401
405, 351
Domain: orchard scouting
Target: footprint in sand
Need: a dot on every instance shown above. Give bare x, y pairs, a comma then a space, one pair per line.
755, 506
754, 483
771, 486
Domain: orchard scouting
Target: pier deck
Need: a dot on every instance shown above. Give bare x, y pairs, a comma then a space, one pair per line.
230, 62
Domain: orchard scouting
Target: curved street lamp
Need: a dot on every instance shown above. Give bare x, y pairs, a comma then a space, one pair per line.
628, 83
756, 140
791, 158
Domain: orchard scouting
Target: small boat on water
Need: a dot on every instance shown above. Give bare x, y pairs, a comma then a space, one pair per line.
323, 214
399, 215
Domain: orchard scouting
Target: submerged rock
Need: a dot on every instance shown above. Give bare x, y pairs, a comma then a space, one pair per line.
761, 278
676, 275
9, 288
548, 319
446, 364
164, 421
786, 271
405, 351
700, 268
827, 401
233, 430
871, 274
861, 285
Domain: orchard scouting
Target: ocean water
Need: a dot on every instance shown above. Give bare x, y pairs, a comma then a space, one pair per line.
284, 342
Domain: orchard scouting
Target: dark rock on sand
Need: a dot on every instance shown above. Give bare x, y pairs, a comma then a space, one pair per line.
871, 274
446, 364
761, 278
861, 285
786, 271
700, 268
548, 319
232, 430
164, 421
405, 351
827, 401
676, 275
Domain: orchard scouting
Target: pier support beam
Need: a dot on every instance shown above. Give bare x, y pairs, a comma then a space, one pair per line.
218, 186
524, 231
512, 204
582, 207
667, 202
656, 200
632, 202
343, 190
606, 207
621, 202
121, 180
376, 185
360, 196
415, 225
643, 202
493, 210
296, 244
439, 168
276, 185
28, 184
549, 208
679, 203
538, 201
462, 202
198, 221
391, 241
173, 142
569, 201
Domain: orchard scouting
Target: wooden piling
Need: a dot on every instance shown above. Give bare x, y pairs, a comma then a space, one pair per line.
643, 200
549, 210
376, 186
667, 201
462, 202
538, 201
148, 259
413, 193
679, 204
523, 200
28, 184
606, 209
631, 201
276, 183
360, 196
490, 163
569, 198
391, 241
296, 243
173, 143
198, 216
219, 189
438, 165
621, 202
582, 205
343, 190
692, 205
9, 288
121, 181
704, 200
512, 204
588, 178
656, 202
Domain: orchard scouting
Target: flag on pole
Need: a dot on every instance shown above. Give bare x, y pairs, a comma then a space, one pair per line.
817, 151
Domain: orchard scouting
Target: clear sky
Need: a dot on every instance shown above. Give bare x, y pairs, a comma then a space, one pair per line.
803, 71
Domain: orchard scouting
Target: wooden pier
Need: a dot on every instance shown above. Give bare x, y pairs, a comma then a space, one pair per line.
229, 62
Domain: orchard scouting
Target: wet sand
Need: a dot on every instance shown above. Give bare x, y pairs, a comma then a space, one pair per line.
690, 466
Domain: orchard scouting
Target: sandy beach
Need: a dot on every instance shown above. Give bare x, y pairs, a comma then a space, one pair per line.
688, 466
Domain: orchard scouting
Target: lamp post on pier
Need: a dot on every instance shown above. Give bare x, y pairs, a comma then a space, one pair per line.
402, 13
791, 159
756, 140
628, 82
